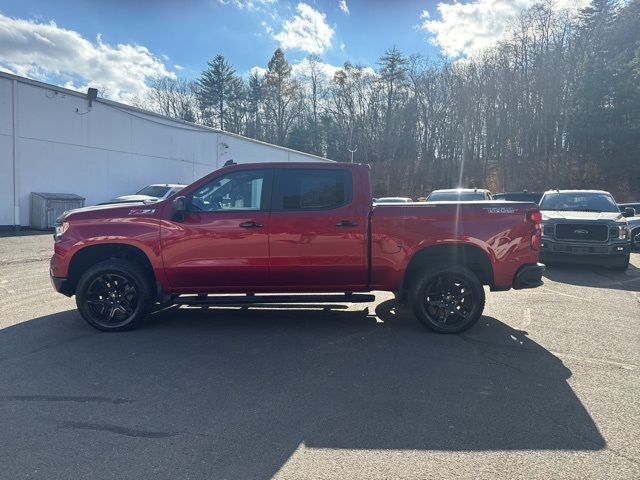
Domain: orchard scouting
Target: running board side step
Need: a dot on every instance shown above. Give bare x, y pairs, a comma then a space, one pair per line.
262, 299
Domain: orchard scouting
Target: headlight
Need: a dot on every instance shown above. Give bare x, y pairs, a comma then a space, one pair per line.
618, 232
60, 229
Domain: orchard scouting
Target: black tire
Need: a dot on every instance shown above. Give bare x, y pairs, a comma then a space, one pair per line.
447, 298
621, 265
114, 295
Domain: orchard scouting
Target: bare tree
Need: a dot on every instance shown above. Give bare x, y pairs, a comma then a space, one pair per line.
174, 97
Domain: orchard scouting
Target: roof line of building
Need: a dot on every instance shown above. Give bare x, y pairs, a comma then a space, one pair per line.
124, 106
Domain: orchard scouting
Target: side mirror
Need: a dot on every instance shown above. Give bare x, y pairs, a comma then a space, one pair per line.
180, 204
629, 212
179, 208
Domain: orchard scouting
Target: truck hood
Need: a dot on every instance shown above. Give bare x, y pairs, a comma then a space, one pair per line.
583, 216
135, 198
132, 209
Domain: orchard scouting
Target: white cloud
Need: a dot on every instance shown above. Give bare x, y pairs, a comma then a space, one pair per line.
267, 27
247, 4
343, 6
307, 31
44, 51
466, 27
259, 70
302, 67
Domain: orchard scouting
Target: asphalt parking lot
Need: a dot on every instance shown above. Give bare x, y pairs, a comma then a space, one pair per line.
545, 386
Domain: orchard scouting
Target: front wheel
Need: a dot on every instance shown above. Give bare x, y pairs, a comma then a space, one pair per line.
113, 295
621, 265
447, 298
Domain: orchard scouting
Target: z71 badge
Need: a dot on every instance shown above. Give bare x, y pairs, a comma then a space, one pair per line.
142, 211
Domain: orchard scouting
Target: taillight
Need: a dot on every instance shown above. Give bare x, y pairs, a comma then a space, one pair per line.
535, 218
535, 241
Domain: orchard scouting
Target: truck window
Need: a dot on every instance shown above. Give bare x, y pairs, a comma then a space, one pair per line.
312, 189
235, 191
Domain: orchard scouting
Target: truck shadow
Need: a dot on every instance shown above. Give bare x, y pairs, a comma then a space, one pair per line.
231, 393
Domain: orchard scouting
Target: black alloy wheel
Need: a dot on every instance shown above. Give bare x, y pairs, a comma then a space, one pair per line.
447, 298
112, 298
114, 295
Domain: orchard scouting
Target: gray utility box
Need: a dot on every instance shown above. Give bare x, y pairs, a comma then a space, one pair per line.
46, 207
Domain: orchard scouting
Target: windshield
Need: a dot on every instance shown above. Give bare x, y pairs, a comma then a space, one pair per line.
455, 196
154, 191
579, 202
518, 197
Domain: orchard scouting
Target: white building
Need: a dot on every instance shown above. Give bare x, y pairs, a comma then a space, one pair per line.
56, 140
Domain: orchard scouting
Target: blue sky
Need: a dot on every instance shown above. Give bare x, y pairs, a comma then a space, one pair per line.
122, 45
190, 33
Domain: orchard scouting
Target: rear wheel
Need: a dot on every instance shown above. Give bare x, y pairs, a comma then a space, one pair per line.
113, 295
447, 298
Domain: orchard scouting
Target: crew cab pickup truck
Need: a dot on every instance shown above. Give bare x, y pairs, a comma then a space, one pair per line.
253, 232
584, 226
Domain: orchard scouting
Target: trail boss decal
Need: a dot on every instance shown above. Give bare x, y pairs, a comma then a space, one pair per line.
500, 209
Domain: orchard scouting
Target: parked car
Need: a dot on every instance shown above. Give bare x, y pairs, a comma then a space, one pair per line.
633, 221
276, 228
584, 226
459, 195
393, 200
523, 196
634, 232
635, 205
150, 193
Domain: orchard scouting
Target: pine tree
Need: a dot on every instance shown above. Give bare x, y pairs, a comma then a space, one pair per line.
282, 97
393, 75
254, 105
215, 87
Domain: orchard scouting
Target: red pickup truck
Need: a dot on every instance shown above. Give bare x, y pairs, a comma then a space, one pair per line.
251, 233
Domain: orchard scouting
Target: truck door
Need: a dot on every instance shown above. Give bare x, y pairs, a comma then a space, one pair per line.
222, 243
317, 236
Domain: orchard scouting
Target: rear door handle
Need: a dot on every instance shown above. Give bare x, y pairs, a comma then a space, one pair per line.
251, 225
346, 223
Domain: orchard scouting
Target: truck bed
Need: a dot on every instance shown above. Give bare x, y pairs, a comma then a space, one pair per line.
497, 228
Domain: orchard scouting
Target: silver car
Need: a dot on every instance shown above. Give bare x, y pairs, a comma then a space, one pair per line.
150, 193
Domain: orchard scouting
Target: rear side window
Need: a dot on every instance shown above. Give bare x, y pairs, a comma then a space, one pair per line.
312, 189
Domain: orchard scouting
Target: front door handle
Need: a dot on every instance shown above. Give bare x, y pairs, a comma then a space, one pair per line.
251, 225
346, 223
